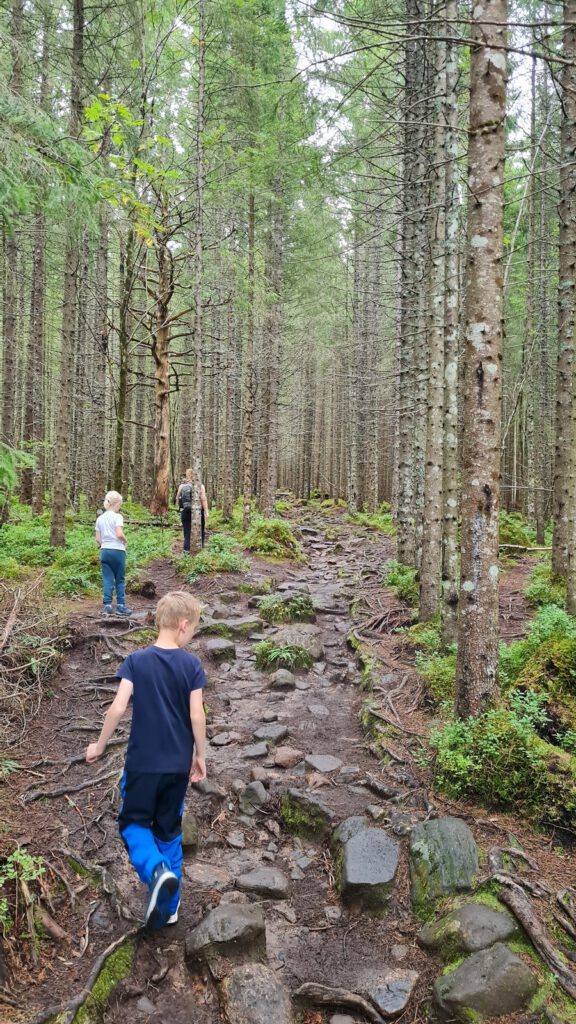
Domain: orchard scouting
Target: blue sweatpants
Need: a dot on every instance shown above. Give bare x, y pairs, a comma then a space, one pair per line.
113, 566
150, 823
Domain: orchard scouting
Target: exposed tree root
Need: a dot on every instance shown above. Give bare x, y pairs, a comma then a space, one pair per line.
37, 794
322, 995
516, 899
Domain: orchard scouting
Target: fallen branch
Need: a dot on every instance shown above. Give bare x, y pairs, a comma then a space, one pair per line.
66, 1012
52, 927
322, 995
516, 899
11, 620
37, 794
521, 547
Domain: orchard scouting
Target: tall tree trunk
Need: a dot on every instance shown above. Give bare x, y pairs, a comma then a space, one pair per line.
197, 405
477, 666
249, 376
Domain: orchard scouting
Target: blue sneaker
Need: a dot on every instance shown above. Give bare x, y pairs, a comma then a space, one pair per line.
163, 887
107, 609
121, 609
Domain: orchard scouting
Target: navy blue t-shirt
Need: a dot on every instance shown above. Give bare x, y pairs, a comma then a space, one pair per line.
161, 737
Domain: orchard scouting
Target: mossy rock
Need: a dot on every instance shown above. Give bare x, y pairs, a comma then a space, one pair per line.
443, 861
274, 539
271, 656
305, 815
552, 668
279, 608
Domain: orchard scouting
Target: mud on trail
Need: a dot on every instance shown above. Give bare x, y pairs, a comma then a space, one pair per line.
64, 810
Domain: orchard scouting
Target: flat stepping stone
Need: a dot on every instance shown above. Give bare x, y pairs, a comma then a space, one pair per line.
231, 929
369, 865
301, 684
253, 994
273, 731
305, 814
301, 588
270, 882
389, 989
468, 929
256, 750
443, 861
241, 628
491, 983
287, 757
323, 763
210, 788
318, 710
209, 876
270, 716
236, 840
220, 649
282, 679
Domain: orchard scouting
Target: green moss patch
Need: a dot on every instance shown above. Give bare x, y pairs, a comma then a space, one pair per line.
274, 539
278, 609
270, 656
117, 966
380, 521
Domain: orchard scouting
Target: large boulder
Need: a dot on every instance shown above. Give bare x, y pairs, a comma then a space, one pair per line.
367, 866
253, 994
307, 637
229, 930
443, 861
491, 983
305, 814
471, 927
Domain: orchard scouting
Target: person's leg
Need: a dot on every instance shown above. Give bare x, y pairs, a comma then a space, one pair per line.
120, 577
135, 823
203, 525
107, 576
186, 517
167, 826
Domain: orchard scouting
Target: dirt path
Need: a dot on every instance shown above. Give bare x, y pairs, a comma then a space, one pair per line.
310, 935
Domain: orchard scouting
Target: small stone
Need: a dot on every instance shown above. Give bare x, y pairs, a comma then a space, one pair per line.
255, 750
223, 739
227, 930
341, 1018
319, 667
267, 856
282, 679
333, 913
369, 868
318, 710
253, 994
273, 732
268, 882
273, 826
390, 990
399, 952
145, 1006
301, 684
259, 774
349, 771
236, 840
105, 658
190, 834
237, 787
253, 798
219, 649
208, 876
296, 874
288, 912
376, 811
287, 757
323, 762
491, 983
272, 847
270, 716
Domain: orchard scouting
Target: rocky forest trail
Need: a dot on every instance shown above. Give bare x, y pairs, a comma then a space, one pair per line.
269, 734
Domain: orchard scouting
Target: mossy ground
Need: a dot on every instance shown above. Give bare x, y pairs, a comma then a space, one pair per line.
117, 966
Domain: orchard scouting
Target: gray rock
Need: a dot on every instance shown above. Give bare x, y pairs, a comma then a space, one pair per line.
323, 762
304, 636
282, 679
256, 750
228, 930
253, 994
302, 684
287, 912
236, 840
253, 798
333, 913
296, 874
318, 710
389, 989
270, 716
210, 788
443, 860
145, 1006
399, 951
274, 732
299, 588
369, 864
269, 882
220, 649
259, 774
492, 983
304, 814
208, 876
341, 1018
471, 927
242, 627
348, 828
223, 739
190, 834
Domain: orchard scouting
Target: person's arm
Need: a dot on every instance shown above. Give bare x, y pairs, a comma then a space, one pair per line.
198, 722
178, 493
98, 538
120, 532
113, 716
204, 501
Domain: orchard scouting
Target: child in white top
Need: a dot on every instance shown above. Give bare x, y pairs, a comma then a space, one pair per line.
112, 542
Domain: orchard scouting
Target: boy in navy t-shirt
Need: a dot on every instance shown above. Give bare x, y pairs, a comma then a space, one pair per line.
166, 750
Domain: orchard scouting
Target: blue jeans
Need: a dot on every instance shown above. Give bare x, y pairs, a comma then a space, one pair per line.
113, 565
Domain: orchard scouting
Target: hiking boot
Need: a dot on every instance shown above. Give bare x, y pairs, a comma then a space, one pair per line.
121, 609
107, 609
163, 886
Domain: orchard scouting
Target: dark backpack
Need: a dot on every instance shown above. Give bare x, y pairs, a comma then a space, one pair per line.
186, 497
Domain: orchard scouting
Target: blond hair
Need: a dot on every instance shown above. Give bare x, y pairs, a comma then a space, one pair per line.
113, 500
174, 607
189, 474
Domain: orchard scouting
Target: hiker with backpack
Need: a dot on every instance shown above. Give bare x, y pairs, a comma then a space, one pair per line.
184, 502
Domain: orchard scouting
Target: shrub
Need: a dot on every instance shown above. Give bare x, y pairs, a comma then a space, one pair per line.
277, 609
549, 622
221, 554
272, 656
439, 674
274, 538
515, 530
404, 580
542, 589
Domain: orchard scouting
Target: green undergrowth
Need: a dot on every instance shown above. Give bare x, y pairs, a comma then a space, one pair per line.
273, 538
404, 580
115, 969
543, 589
221, 554
75, 568
380, 520
276, 609
270, 656
513, 529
